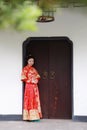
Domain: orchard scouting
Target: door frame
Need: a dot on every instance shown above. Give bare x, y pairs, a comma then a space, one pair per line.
51, 38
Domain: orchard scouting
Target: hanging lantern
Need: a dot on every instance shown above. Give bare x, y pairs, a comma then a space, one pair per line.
47, 16
47, 11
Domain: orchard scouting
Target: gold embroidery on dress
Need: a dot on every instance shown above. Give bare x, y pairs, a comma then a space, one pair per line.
34, 115
31, 115
23, 77
25, 115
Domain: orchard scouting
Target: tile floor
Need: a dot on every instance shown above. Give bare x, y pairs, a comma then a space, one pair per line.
44, 124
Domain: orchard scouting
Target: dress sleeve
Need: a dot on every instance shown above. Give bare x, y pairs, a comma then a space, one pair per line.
24, 74
36, 76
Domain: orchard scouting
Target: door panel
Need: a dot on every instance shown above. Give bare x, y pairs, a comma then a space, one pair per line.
39, 49
60, 85
53, 62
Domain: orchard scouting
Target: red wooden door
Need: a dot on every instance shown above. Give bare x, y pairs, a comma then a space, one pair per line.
53, 60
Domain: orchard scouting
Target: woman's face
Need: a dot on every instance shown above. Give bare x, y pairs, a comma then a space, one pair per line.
30, 61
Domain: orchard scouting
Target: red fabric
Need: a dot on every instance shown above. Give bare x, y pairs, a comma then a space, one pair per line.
30, 75
31, 95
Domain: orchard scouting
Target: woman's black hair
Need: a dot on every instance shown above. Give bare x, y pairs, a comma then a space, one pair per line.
29, 57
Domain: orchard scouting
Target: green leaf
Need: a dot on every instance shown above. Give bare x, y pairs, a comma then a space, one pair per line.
21, 16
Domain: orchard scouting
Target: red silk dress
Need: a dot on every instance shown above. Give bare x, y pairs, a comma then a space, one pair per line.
31, 108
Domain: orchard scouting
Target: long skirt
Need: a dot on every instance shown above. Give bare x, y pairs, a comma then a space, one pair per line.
32, 107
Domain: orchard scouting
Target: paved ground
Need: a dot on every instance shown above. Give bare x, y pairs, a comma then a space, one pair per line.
44, 124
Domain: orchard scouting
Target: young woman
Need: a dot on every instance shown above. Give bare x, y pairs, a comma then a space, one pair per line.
31, 107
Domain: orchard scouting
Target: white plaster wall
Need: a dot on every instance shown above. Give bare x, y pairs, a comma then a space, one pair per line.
68, 22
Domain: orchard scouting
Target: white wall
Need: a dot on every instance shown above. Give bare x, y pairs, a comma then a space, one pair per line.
68, 22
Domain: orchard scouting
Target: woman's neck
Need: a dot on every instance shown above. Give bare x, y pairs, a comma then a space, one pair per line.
29, 65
